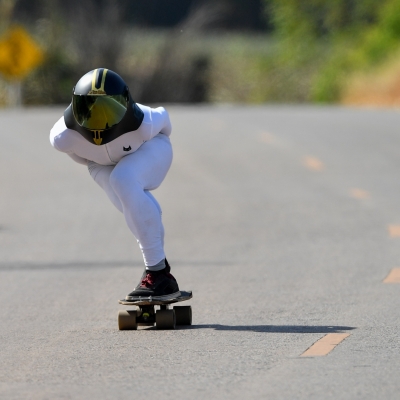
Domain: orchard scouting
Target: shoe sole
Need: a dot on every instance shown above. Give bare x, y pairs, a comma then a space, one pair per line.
165, 297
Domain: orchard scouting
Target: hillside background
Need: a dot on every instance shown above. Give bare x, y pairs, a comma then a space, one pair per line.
220, 51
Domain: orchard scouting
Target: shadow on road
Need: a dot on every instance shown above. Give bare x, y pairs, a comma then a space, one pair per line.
275, 328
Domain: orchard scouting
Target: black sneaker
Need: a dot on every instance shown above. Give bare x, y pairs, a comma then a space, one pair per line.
160, 285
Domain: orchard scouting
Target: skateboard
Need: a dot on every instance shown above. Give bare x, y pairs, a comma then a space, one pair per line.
147, 315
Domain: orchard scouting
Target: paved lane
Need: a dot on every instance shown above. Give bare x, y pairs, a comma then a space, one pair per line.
279, 220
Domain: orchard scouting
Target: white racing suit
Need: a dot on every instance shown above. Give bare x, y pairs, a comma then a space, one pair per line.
127, 169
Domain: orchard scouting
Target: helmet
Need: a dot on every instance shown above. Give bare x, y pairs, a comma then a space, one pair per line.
102, 108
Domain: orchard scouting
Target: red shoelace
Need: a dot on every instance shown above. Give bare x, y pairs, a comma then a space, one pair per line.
148, 280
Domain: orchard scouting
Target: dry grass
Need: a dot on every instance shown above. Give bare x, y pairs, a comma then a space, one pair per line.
379, 87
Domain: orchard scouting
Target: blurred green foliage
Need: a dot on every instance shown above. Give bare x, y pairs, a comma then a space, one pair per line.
324, 42
308, 51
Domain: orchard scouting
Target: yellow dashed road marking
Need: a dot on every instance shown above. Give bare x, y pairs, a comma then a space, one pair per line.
325, 345
359, 193
313, 163
266, 137
393, 277
394, 230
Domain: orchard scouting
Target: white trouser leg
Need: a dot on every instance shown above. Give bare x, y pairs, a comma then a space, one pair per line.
101, 175
153, 199
127, 185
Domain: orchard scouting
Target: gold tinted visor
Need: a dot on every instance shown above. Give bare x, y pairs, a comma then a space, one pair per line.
99, 112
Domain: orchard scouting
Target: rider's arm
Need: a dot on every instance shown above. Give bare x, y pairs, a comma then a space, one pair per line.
62, 142
78, 159
160, 122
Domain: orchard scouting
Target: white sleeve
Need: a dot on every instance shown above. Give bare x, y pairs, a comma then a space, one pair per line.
160, 122
58, 138
78, 159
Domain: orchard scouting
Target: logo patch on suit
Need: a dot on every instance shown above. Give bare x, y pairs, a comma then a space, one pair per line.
127, 148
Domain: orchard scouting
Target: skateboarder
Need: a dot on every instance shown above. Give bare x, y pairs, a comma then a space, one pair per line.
127, 150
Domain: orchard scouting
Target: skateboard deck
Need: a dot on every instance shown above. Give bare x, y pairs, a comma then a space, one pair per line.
146, 314
154, 301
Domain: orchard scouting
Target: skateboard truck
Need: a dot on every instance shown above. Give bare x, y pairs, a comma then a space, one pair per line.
147, 315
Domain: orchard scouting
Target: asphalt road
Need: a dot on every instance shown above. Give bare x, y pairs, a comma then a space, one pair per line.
284, 221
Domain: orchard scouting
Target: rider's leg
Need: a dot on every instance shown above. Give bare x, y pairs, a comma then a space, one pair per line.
127, 185
101, 175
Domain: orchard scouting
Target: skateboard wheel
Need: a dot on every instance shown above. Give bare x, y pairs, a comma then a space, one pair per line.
127, 320
165, 319
183, 315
